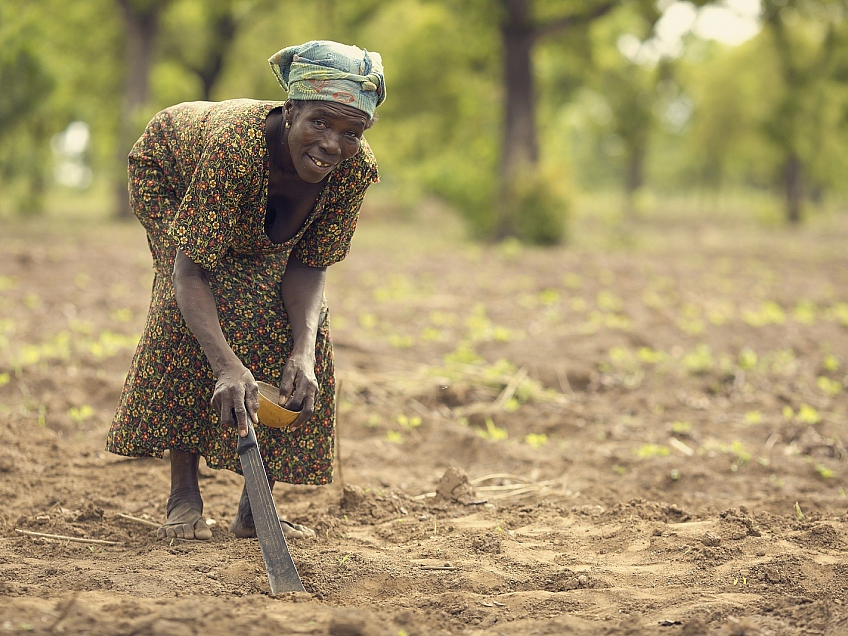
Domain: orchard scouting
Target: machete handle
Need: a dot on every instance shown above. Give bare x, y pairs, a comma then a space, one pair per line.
247, 442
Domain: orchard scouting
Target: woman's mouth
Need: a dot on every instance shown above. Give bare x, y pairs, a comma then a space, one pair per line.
322, 165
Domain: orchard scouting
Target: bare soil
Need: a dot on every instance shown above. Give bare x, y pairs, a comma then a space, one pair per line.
640, 433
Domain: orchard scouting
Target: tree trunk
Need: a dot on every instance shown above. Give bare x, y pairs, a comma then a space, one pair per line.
141, 23
224, 28
520, 124
634, 177
793, 182
520, 149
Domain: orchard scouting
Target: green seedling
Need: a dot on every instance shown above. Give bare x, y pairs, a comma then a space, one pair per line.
5, 378
618, 469
394, 437
8, 283
825, 472
798, 514
805, 312
80, 414
681, 428
409, 423
536, 440
399, 341
699, 361
343, 559
747, 359
122, 314
829, 387
808, 415
830, 363
648, 451
492, 432
753, 417
769, 313
367, 321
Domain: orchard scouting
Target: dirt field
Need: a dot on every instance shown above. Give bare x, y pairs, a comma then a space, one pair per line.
641, 433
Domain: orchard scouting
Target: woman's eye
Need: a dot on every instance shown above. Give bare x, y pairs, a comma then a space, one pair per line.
319, 123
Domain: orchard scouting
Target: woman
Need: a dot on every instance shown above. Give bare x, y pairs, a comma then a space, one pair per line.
245, 204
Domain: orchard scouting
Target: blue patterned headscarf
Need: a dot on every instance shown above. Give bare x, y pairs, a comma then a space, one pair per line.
329, 71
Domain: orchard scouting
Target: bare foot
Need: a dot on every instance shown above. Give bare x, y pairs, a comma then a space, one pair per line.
185, 521
243, 527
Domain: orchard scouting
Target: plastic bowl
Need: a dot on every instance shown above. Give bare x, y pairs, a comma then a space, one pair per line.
270, 413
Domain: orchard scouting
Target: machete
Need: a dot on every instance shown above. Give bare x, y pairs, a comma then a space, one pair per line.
282, 574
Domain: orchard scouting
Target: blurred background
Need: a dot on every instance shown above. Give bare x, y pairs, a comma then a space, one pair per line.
513, 115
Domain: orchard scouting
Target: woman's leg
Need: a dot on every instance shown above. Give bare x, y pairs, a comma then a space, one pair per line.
244, 528
185, 506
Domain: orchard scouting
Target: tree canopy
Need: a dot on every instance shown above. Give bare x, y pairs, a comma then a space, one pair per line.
502, 108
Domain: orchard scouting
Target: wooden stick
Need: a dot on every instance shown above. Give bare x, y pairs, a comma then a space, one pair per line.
143, 522
59, 537
338, 447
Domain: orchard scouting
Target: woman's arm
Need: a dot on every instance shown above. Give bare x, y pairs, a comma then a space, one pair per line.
236, 391
303, 293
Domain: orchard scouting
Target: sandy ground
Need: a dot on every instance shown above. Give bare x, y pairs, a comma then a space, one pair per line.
637, 435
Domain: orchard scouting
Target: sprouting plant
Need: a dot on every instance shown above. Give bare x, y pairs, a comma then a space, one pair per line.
681, 428
829, 387
549, 297
367, 321
769, 313
647, 451
740, 455
699, 361
607, 301
492, 432
4, 379
747, 359
394, 437
651, 356
753, 417
572, 280
409, 423
808, 415
80, 414
825, 472
399, 341
805, 312
536, 440
830, 363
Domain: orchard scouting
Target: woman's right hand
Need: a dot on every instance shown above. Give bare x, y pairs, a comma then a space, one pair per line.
236, 398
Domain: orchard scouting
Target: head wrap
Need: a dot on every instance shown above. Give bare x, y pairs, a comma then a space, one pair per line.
329, 71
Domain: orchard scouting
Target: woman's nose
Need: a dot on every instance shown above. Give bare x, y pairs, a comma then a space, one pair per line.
331, 143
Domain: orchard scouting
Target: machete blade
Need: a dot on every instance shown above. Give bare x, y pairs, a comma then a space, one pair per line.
282, 573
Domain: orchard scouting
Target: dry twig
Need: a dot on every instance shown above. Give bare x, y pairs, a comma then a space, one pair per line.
60, 537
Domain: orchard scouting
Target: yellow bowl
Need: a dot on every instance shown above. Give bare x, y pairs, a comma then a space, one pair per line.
270, 413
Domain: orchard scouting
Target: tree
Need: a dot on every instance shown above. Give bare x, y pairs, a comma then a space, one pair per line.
806, 38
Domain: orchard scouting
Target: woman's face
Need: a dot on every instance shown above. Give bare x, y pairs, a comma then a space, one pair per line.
322, 135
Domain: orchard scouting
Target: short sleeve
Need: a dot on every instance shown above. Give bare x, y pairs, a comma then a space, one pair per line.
327, 240
204, 225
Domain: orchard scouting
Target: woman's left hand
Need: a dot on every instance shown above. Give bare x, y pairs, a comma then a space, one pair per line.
299, 388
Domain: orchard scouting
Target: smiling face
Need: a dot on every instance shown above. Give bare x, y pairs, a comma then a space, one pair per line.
321, 136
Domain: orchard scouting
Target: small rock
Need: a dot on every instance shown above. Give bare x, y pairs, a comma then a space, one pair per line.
352, 496
454, 486
711, 539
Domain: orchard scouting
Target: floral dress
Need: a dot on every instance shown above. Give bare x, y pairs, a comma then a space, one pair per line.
199, 182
